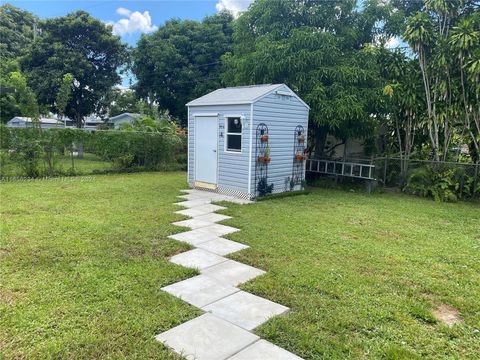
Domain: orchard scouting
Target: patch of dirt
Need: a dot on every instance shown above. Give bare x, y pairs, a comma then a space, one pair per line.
8, 297
447, 314
348, 236
4, 252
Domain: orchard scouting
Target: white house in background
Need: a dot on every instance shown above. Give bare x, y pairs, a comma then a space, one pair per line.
92, 123
125, 118
26, 122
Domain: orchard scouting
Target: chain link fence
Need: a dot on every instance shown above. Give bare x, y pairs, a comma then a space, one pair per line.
444, 181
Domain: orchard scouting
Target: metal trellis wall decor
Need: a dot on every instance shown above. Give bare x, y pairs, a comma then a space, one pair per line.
262, 156
298, 170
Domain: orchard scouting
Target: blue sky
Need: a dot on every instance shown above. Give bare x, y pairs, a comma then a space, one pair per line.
131, 18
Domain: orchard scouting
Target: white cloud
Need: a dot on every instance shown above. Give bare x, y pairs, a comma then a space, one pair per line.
135, 22
123, 11
234, 6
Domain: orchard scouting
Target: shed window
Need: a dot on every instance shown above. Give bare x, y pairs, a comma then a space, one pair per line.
234, 134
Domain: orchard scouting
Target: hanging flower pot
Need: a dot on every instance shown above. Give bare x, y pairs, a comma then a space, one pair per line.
264, 138
301, 139
299, 157
264, 159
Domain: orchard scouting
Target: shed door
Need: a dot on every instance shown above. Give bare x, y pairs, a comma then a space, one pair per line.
206, 149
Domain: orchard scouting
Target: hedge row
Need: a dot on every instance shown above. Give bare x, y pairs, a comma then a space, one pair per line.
36, 152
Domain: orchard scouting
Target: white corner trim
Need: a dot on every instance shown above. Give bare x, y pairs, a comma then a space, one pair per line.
250, 151
188, 144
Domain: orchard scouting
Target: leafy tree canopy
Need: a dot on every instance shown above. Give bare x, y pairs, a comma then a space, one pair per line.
181, 61
320, 49
16, 97
120, 102
149, 124
82, 46
16, 31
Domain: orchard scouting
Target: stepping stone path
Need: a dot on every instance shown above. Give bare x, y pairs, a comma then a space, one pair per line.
224, 331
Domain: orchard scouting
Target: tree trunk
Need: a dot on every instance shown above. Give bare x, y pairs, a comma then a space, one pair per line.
320, 136
79, 121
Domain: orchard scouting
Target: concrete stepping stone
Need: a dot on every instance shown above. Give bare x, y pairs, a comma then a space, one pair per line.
192, 212
263, 350
224, 332
221, 197
221, 246
245, 310
193, 203
197, 259
232, 272
218, 230
200, 290
212, 217
208, 208
193, 191
240, 201
193, 237
186, 197
192, 223
207, 338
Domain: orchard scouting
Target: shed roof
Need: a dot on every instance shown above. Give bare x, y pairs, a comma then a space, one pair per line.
237, 95
119, 116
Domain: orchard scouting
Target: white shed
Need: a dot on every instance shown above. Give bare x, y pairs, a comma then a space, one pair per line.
248, 141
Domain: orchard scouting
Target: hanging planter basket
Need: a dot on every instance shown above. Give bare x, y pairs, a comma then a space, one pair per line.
301, 139
300, 157
264, 138
264, 159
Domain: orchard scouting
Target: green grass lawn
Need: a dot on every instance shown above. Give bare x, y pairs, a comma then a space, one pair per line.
82, 264
85, 165
362, 273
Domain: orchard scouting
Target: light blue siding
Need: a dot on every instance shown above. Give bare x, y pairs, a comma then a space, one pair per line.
232, 167
281, 114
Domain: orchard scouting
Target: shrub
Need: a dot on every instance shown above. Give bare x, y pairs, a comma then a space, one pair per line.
441, 182
263, 187
28, 149
151, 150
27, 153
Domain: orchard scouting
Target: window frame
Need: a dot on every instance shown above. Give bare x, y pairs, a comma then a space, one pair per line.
226, 118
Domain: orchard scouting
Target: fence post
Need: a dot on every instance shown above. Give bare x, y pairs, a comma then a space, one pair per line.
475, 181
385, 171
